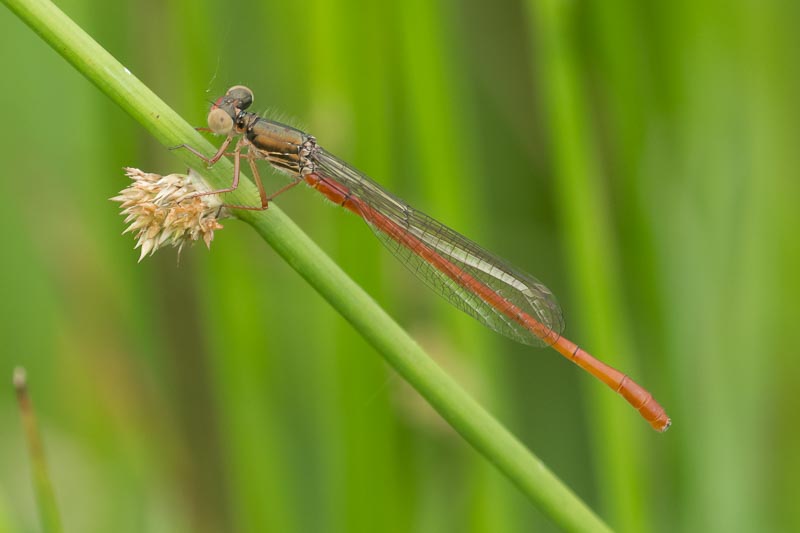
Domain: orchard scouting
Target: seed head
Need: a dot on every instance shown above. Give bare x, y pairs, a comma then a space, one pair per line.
162, 211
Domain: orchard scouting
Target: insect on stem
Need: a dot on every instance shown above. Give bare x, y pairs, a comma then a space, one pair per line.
476, 281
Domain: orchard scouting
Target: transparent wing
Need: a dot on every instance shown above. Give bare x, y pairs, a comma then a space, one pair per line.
469, 277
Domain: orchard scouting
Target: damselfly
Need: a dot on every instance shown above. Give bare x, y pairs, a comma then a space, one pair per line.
474, 280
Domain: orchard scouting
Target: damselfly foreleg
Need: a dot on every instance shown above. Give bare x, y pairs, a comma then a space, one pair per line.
210, 161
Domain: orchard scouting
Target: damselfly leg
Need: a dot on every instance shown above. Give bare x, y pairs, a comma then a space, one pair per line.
237, 156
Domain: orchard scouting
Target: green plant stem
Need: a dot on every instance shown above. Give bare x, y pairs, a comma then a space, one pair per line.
45, 497
463, 413
591, 247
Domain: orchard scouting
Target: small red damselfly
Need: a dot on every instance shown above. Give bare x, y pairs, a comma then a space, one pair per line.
474, 280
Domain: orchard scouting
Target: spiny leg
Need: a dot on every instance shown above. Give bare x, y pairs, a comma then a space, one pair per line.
257, 178
210, 161
237, 153
265, 200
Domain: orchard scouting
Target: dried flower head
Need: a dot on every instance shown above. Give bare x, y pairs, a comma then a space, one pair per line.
161, 210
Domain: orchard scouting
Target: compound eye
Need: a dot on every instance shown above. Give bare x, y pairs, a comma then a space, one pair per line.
241, 95
220, 121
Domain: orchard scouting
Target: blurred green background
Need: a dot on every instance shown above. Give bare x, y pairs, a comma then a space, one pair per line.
640, 158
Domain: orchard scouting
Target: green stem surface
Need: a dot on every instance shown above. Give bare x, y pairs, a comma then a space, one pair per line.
463, 413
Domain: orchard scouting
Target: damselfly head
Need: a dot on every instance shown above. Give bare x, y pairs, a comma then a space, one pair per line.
227, 109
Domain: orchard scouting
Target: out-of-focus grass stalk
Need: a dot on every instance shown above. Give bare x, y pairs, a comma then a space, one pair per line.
349, 107
45, 497
591, 249
431, 69
476, 425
